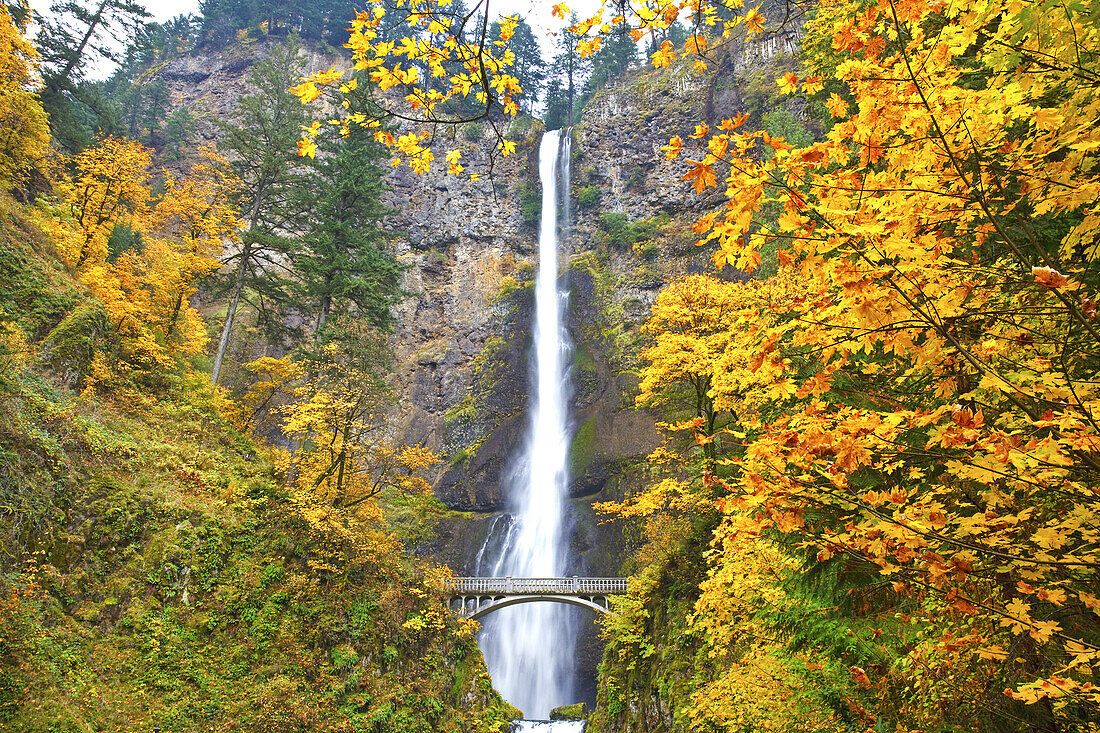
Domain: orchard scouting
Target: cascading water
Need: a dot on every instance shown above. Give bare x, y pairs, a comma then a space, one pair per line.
529, 648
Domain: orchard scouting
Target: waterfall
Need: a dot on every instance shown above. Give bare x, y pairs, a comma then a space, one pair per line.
529, 648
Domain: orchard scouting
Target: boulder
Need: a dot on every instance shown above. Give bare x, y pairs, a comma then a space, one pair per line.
576, 711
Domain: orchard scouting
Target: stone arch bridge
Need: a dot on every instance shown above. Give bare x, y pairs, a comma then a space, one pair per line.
475, 597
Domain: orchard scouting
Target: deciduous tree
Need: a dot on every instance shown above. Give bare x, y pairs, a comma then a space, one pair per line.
933, 430
24, 133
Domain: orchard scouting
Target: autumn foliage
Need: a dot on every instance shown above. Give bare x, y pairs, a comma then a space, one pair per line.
930, 423
24, 135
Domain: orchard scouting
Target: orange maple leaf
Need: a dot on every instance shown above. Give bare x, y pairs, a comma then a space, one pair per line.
702, 176
1049, 277
733, 124
789, 83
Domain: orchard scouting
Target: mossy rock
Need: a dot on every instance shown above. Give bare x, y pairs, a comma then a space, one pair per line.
582, 448
576, 711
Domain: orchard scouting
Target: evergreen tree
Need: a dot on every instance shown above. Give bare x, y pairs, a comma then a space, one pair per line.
76, 36
261, 144
556, 115
342, 260
325, 20
570, 68
615, 56
529, 68
178, 129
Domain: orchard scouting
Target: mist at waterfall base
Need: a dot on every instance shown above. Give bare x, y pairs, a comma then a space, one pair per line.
530, 647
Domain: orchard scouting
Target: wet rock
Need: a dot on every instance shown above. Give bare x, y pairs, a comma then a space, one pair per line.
576, 711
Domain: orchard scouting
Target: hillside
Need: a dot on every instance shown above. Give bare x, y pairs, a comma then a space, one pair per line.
156, 570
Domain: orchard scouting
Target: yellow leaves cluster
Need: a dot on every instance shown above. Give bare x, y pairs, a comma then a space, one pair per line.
24, 133
164, 245
415, 76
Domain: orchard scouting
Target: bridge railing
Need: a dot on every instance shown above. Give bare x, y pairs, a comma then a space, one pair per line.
523, 586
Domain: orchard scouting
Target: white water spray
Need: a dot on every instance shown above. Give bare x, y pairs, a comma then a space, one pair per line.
529, 648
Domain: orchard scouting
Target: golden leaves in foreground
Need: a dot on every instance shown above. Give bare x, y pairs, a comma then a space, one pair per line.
929, 397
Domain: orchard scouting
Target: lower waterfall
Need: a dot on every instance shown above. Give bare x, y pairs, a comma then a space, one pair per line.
529, 648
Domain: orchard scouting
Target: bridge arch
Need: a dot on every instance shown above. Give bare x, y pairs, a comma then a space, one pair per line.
485, 609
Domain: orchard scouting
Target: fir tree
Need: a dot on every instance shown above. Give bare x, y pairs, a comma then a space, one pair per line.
570, 69
342, 261
77, 36
261, 144
530, 68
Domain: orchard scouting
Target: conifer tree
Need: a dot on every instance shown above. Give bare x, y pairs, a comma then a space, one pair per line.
530, 68
342, 261
261, 144
570, 68
76, 36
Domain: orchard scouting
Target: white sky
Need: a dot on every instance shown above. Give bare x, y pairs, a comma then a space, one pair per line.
537, 13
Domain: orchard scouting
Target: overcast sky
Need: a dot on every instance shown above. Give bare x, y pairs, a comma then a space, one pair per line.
536, 12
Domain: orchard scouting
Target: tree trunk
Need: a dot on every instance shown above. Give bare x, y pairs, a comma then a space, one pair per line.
227, 327
60, 79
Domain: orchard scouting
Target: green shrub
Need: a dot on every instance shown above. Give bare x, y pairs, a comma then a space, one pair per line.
70, 347
473, 131
122, 239
636, 179
646, 249
621, 233
781, 123
506, 287
530, 202
588, 197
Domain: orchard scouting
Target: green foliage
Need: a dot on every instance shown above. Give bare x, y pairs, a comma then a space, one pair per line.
588, 197
72, 40
262, 142
179, 128
325, 20
33, 293
620, 233
581, 449
567, 73
342, 262
781, 123
70, 348
473, 131
651, 648
529, 68
530, 202
759, 92
465, 411
211, 583
508, 285
121, 239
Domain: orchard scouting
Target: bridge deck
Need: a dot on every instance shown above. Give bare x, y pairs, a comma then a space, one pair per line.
537, 586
